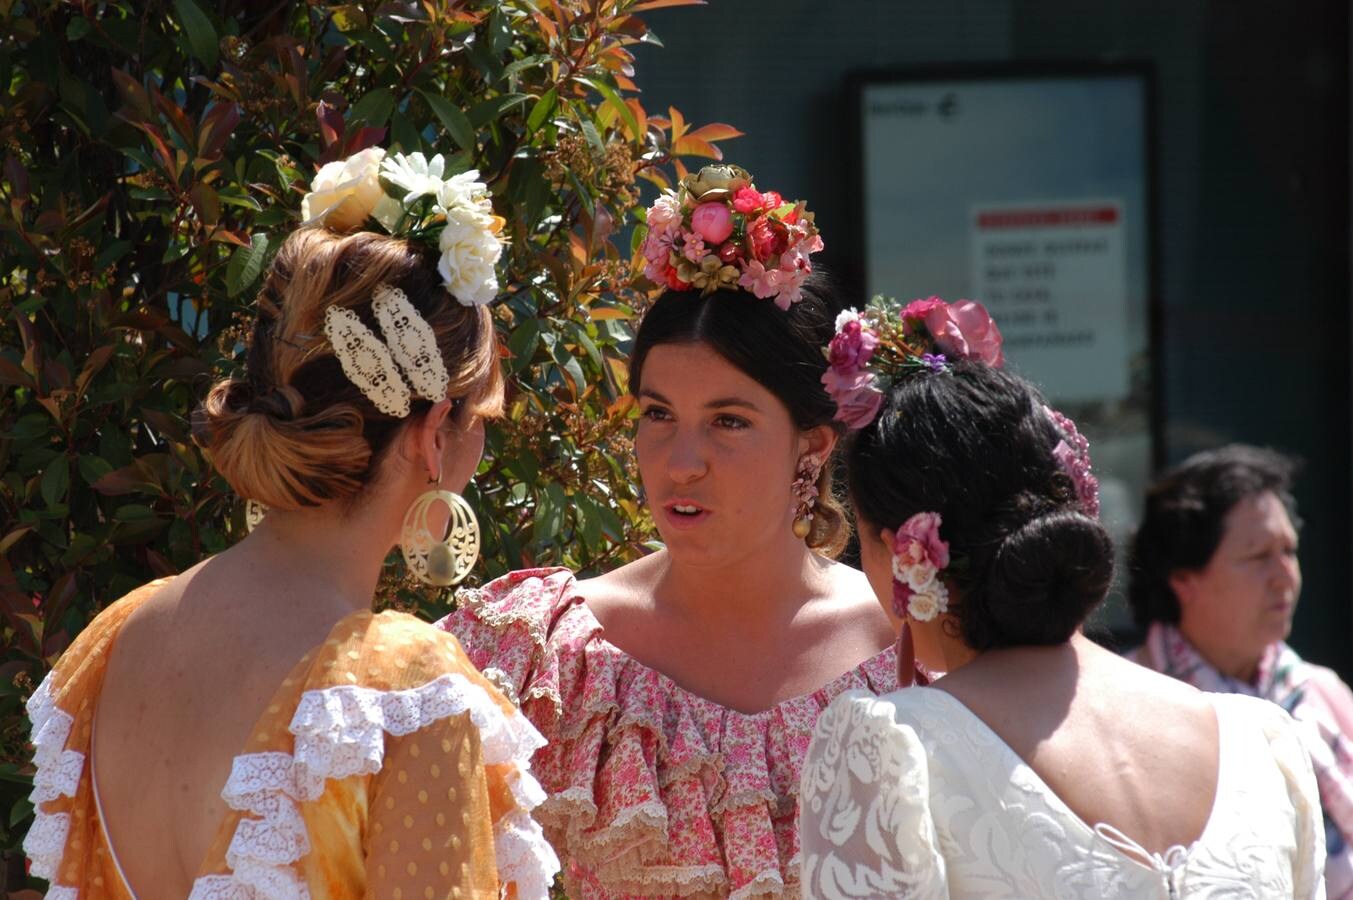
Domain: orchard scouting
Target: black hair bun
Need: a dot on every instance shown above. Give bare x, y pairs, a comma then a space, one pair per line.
1041, 582
975, 445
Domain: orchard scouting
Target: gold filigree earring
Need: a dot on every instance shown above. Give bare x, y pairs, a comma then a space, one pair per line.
440, 562
804, 489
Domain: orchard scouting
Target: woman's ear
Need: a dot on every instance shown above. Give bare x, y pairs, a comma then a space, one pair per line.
1182, 582
887, 536
818, 442
431, 439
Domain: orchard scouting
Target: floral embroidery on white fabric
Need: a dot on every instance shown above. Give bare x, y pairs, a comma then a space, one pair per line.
57, 774
911, 795
340, 732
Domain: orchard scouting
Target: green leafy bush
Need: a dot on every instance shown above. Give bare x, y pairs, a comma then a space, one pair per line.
155, 154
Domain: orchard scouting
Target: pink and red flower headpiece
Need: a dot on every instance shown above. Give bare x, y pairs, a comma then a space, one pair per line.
928, 335
718, 231
919, 555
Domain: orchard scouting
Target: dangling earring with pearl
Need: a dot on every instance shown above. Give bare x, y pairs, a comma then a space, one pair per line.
804, 490
441, 562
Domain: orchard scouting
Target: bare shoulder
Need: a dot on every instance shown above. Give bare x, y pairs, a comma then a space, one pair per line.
159, 612
850, 598
628, 587
1109, 675
848, 582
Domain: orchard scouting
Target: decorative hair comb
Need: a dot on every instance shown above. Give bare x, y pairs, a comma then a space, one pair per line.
389, 372
718, 231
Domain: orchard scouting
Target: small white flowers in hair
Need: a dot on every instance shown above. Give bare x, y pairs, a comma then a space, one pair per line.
919, 554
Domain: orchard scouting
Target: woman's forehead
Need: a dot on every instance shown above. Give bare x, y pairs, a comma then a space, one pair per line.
696, 373
1257, 516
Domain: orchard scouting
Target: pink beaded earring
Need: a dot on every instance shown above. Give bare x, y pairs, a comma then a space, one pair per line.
804, 490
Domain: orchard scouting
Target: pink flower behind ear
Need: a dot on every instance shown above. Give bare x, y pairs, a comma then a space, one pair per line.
921, 535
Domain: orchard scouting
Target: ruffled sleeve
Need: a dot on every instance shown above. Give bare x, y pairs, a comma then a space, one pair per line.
651, 790
864, 816
1294, 763
399, 771
510, 632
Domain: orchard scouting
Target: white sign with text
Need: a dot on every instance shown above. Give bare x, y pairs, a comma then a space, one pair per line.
1053, 275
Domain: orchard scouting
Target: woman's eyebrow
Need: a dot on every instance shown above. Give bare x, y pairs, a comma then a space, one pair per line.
724, 402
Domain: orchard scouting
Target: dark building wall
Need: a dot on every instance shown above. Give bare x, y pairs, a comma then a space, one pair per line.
1252, 164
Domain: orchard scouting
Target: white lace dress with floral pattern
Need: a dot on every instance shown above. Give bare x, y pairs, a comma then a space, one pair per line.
911, 795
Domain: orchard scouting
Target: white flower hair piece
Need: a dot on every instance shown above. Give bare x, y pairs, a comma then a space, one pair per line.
931, 601
411, 196
417, 175
411, 341
366, 361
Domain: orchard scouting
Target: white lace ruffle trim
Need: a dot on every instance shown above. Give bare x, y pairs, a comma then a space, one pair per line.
340, 732
57, 774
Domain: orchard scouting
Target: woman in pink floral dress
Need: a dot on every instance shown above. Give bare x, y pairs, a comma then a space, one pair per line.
678, 693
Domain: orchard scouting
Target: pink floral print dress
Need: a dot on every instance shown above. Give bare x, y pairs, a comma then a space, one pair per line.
652, 790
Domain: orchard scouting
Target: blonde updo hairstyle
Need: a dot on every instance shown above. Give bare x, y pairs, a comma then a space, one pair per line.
294, 432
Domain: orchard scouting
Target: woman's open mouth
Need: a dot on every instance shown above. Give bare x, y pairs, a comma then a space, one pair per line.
685, 513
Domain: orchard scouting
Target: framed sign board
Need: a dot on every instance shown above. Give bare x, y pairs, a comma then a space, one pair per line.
1030, 190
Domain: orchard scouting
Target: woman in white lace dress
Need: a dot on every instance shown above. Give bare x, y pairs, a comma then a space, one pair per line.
250, 728
1040, 765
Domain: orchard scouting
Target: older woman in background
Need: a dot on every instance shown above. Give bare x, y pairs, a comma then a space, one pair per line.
1215, 580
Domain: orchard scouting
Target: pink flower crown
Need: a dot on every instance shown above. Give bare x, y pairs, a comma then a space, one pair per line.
718, 231
928, 335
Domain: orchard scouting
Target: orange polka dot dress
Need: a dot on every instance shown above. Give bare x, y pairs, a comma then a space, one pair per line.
385, 766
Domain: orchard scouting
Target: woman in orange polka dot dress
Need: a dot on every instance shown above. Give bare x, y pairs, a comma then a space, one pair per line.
250, 728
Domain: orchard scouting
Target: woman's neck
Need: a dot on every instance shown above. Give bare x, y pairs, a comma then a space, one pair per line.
1240, 665
341, 555
937, 649
770, 583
